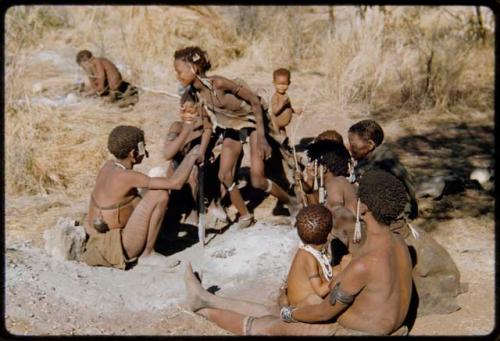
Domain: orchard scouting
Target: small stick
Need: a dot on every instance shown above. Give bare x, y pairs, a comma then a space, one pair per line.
159, 91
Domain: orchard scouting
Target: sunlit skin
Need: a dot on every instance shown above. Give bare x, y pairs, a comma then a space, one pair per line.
281, 108
103, 75
359, 147
281, 84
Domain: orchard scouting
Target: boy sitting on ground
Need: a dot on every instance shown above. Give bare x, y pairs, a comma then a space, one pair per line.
105, 80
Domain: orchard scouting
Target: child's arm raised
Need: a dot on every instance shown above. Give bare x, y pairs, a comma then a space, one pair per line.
176, 138
244, 93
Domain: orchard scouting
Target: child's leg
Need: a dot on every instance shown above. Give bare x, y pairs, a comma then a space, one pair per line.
143, 226
257, 176
283, 119
230, 152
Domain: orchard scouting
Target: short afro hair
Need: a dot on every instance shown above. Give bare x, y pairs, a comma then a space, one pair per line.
383, 194
282, 72
368, 130
82, 56
331, 154
124, 139
314, 223
194, 55
331, 135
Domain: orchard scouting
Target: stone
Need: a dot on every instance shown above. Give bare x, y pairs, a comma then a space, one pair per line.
65, 241
435, 274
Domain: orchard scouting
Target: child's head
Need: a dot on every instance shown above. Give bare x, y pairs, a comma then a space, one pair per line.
83, 56
281, 80
188, 102
124, 139
364, 137
190, 61
383, 194
331, 135
314, 223
331, 154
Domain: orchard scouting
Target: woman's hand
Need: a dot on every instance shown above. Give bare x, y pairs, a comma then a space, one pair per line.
263, 148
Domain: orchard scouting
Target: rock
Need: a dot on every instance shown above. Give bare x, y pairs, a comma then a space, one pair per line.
481, 175
71, 98
435, 274
65, 240
438, 186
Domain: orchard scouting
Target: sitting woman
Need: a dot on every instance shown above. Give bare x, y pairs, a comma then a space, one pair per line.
121, 224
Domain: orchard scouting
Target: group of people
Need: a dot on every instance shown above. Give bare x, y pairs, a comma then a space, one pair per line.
359, 194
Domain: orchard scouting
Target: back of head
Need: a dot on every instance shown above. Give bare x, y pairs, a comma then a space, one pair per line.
383, 194
194, 55
368, 130
83, 56
282, 72
124, 139
332, 154
188, 97
331, 135
314, 223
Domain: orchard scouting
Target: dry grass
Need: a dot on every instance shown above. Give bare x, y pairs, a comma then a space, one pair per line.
391, 59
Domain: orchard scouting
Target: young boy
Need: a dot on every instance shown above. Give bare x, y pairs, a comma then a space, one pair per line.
280, 108
106, 80
365, 143
310, 273
123, 225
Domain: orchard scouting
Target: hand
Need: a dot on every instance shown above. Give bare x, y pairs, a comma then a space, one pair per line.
201, 159
263, 148
298, 176
310, 170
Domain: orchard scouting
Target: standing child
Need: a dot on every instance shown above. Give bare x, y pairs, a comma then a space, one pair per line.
280, 106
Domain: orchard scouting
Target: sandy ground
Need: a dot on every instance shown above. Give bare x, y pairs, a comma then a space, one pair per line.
47, 296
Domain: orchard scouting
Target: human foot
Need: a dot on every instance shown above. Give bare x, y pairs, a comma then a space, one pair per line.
246, 221
194, 290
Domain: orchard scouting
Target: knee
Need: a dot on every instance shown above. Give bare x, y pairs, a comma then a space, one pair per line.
258, 181
160, 197
226, 178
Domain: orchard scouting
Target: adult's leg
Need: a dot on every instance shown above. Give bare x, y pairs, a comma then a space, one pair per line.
257, 175
266, 325
230, 152
199, 298
141, 231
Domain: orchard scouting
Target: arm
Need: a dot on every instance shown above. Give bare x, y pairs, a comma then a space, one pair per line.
181, 174
244, 93
99, 77
176, 138
205, 138
320, 288
352, 280
279, 105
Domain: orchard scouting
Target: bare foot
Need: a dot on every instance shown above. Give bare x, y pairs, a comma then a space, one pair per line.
194, 290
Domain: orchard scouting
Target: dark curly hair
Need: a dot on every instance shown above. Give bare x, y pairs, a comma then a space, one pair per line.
282, 72
194, 55
124, 139
368, 130
314, 223
331, 154
383, 194
82, 56
331, 135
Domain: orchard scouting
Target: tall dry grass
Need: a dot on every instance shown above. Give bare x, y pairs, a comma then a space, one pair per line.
393, 59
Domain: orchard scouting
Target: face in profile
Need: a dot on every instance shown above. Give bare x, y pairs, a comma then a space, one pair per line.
184, 72
281, 83
359, 147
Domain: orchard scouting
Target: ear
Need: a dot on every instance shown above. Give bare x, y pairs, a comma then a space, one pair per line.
371, 144
131, 154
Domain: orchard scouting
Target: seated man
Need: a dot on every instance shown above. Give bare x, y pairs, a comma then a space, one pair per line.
106, 80
370, 296
121, 224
